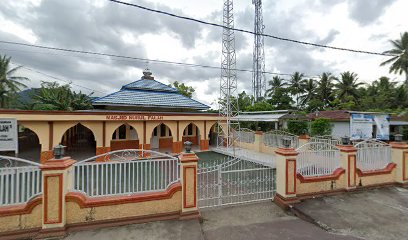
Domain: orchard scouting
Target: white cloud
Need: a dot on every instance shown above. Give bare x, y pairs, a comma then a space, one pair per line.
97, 25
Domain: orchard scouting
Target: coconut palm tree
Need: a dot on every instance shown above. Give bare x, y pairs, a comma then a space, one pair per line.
346, 86
275, 83
9, 83
399, 62
325, 88
310, 88
296, 86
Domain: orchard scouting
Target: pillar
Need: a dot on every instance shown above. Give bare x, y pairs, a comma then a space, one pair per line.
348, 161
303, 139
258, 141
399, 155
285, 177
188, 177
57, 179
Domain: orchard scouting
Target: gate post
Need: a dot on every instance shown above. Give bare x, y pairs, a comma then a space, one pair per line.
399, 155
188, 178
285, 177
348, 161
56, 180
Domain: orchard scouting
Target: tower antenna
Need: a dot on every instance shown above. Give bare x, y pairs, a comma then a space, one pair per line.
228, 105
258, 75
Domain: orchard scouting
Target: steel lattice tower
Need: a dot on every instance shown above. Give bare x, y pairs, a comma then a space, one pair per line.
258, 75
228, 106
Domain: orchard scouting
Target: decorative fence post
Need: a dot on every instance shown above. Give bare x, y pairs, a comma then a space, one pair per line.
56, 182
285, 177
188, 178
348, 162
399, 154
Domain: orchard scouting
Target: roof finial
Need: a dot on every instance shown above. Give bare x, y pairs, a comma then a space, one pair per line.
147, 74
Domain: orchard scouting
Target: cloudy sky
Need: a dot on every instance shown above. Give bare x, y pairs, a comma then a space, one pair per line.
102, 26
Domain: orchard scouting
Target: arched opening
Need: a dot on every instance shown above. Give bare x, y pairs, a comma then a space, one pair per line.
162, 139
124, 137
192, 133
80, 142
29, 146
212, 135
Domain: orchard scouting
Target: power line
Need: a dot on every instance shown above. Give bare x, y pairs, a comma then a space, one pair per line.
251, 32
56, 78
131, 58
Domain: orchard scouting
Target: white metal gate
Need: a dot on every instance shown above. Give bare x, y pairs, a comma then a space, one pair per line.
235, 181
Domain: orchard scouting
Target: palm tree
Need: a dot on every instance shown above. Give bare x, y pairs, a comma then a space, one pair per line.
296, 85
275, 83
347, 86
325, 88
399, 62
9, 84
310, 88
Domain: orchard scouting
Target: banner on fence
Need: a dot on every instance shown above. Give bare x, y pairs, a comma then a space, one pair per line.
361, 126
8, 134
383, 126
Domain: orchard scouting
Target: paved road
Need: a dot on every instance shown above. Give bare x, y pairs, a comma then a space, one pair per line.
374, 214
253, 221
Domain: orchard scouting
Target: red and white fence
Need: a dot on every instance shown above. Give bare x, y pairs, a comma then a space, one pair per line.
20, 180
373, 155
317, 159
127, 172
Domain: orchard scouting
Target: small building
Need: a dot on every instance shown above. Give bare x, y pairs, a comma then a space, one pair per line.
278, 118
356, 125
144, 114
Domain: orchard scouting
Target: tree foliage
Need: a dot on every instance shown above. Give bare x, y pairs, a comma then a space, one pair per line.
321, 127
297, 127
183, 89
52, 96
10, 84
399, 63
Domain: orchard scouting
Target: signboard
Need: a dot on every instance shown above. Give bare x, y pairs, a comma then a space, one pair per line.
133, 117
8, 135
361, 126
383, 126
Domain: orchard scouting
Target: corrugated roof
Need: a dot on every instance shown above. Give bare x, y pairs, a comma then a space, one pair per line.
258, 117
145, 98
149, 84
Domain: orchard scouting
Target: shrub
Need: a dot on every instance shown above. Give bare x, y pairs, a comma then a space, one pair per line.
320, 127
297, 127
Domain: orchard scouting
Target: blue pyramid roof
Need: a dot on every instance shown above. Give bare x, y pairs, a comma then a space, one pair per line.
150, 93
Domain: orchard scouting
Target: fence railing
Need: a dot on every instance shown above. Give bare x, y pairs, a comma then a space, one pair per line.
317, 159
325, 139
274, 139
373, 154
127, 172
20, 180
245, 135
